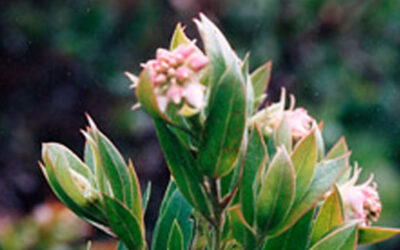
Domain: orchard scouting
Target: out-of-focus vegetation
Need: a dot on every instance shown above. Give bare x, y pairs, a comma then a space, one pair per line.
49, 226
59, 59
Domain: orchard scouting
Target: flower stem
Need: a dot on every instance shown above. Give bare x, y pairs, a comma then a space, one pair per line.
218, 211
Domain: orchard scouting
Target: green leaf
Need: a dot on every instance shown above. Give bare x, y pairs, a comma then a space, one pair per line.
326, 174
277, 193
371, 235
146, 97
241, 231
124, 223
255, 160
304, 158
123, 181
320, 142
224, 129
260, 79
230, 181
179, 37
283, 136
329, 217
137, 208
75, 191
295, 238
92, 212
95, 157
89, 157
248, 83
173, 208
183, 168
175, 239
146, 197
218, 51
343, 238
339, 149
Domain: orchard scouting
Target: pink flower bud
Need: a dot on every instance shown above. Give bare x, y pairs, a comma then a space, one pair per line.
299, 122
184, 50
172, 61
171, 72
162, 102
162, 54
179, 58
164, 66
175, 93
198, 62
182, 73
194, 95
160, 79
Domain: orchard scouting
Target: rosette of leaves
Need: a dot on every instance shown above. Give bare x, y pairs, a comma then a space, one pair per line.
102, 188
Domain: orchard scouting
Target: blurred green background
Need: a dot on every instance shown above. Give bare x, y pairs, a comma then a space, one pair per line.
62, 58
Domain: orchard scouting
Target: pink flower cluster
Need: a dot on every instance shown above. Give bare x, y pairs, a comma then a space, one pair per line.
175, 76
300, 123
298, 120
361, 201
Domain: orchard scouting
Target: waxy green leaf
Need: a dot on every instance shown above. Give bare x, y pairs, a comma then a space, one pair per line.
256, 157
339, 149
241, 231
283, 136
370, 235
224, 129
304, 158
124, 223
87, 210
173, 208
175, 240
72, 181
218, 51
320, 141
179, 38
329, 217
326, 174
114, 177
113, 165
183, 168
295, 238
249, 85
260, 79
277, 193
146, 197
343, 238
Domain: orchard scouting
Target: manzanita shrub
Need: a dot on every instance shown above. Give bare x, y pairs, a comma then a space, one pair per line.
241, 177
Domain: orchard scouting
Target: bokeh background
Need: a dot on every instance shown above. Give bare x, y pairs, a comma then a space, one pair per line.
62, 58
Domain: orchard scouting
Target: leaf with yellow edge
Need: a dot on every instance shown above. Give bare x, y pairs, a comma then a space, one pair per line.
304, 158
241, 231
329, 217
370, 235
260, 80
179, 37
342, 238
277, 193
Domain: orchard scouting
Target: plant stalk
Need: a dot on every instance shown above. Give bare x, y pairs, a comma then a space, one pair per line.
218, 211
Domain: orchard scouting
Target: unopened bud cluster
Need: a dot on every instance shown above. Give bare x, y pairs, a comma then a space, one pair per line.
299, 122
175, 76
